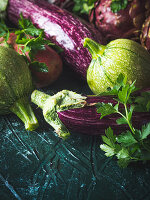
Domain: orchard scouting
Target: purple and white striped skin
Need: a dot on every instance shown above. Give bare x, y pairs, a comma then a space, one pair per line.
87, 121
61, 27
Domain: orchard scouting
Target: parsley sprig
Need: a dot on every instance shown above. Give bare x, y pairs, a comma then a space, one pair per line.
132, 145
117, 5
30, 40
4, 32
83, 6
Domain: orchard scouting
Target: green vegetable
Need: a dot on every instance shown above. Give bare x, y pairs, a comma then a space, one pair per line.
117, 5
4, 33
32, 38
132, 145
119, 56
29, 41
15, 87
61, 101
83, 6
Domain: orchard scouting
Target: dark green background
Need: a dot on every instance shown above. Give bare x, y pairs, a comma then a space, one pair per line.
39, 165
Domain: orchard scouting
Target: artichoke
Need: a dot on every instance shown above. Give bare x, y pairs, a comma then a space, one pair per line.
145, 35
125, 22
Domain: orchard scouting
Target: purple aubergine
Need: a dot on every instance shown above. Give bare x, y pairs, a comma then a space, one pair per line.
87, 121
61, 27
125, 23
145, 35
65, 4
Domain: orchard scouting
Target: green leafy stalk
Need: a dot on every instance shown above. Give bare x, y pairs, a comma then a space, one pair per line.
30, 40
132, 145
61, 101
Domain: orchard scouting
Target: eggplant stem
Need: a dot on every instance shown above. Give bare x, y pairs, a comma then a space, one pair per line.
51, 105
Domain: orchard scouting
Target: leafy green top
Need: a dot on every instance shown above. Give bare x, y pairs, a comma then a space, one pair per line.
117, 5
132, 145
30, 40
83, 6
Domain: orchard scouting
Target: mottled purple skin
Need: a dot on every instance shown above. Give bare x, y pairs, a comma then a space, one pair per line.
126, 23
65, 4
61, 27
87, 121
145, 35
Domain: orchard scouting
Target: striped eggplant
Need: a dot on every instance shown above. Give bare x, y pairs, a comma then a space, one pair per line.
61, 27
87, 121
68, 111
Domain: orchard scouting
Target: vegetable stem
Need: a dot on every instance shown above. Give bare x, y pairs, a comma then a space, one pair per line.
63, 100
94, 48
128, 121
23, 110
39, 98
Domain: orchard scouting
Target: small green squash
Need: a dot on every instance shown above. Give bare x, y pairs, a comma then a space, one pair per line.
16, 87
119, 56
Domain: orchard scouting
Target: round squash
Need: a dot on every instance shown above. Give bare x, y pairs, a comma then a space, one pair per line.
16, 87
119, 56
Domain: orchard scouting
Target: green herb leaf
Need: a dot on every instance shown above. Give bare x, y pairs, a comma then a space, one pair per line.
130, 112
108, 150
117, 5
122, 94
105, 109
121, 80
132, 145
83, 6
121, 120
107, 141
28, 28
143, 102
39, 67
110, 136
125, 92
110, 139
22, 40
4, 31
123, 154
32, 40
145, 131
126, 139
